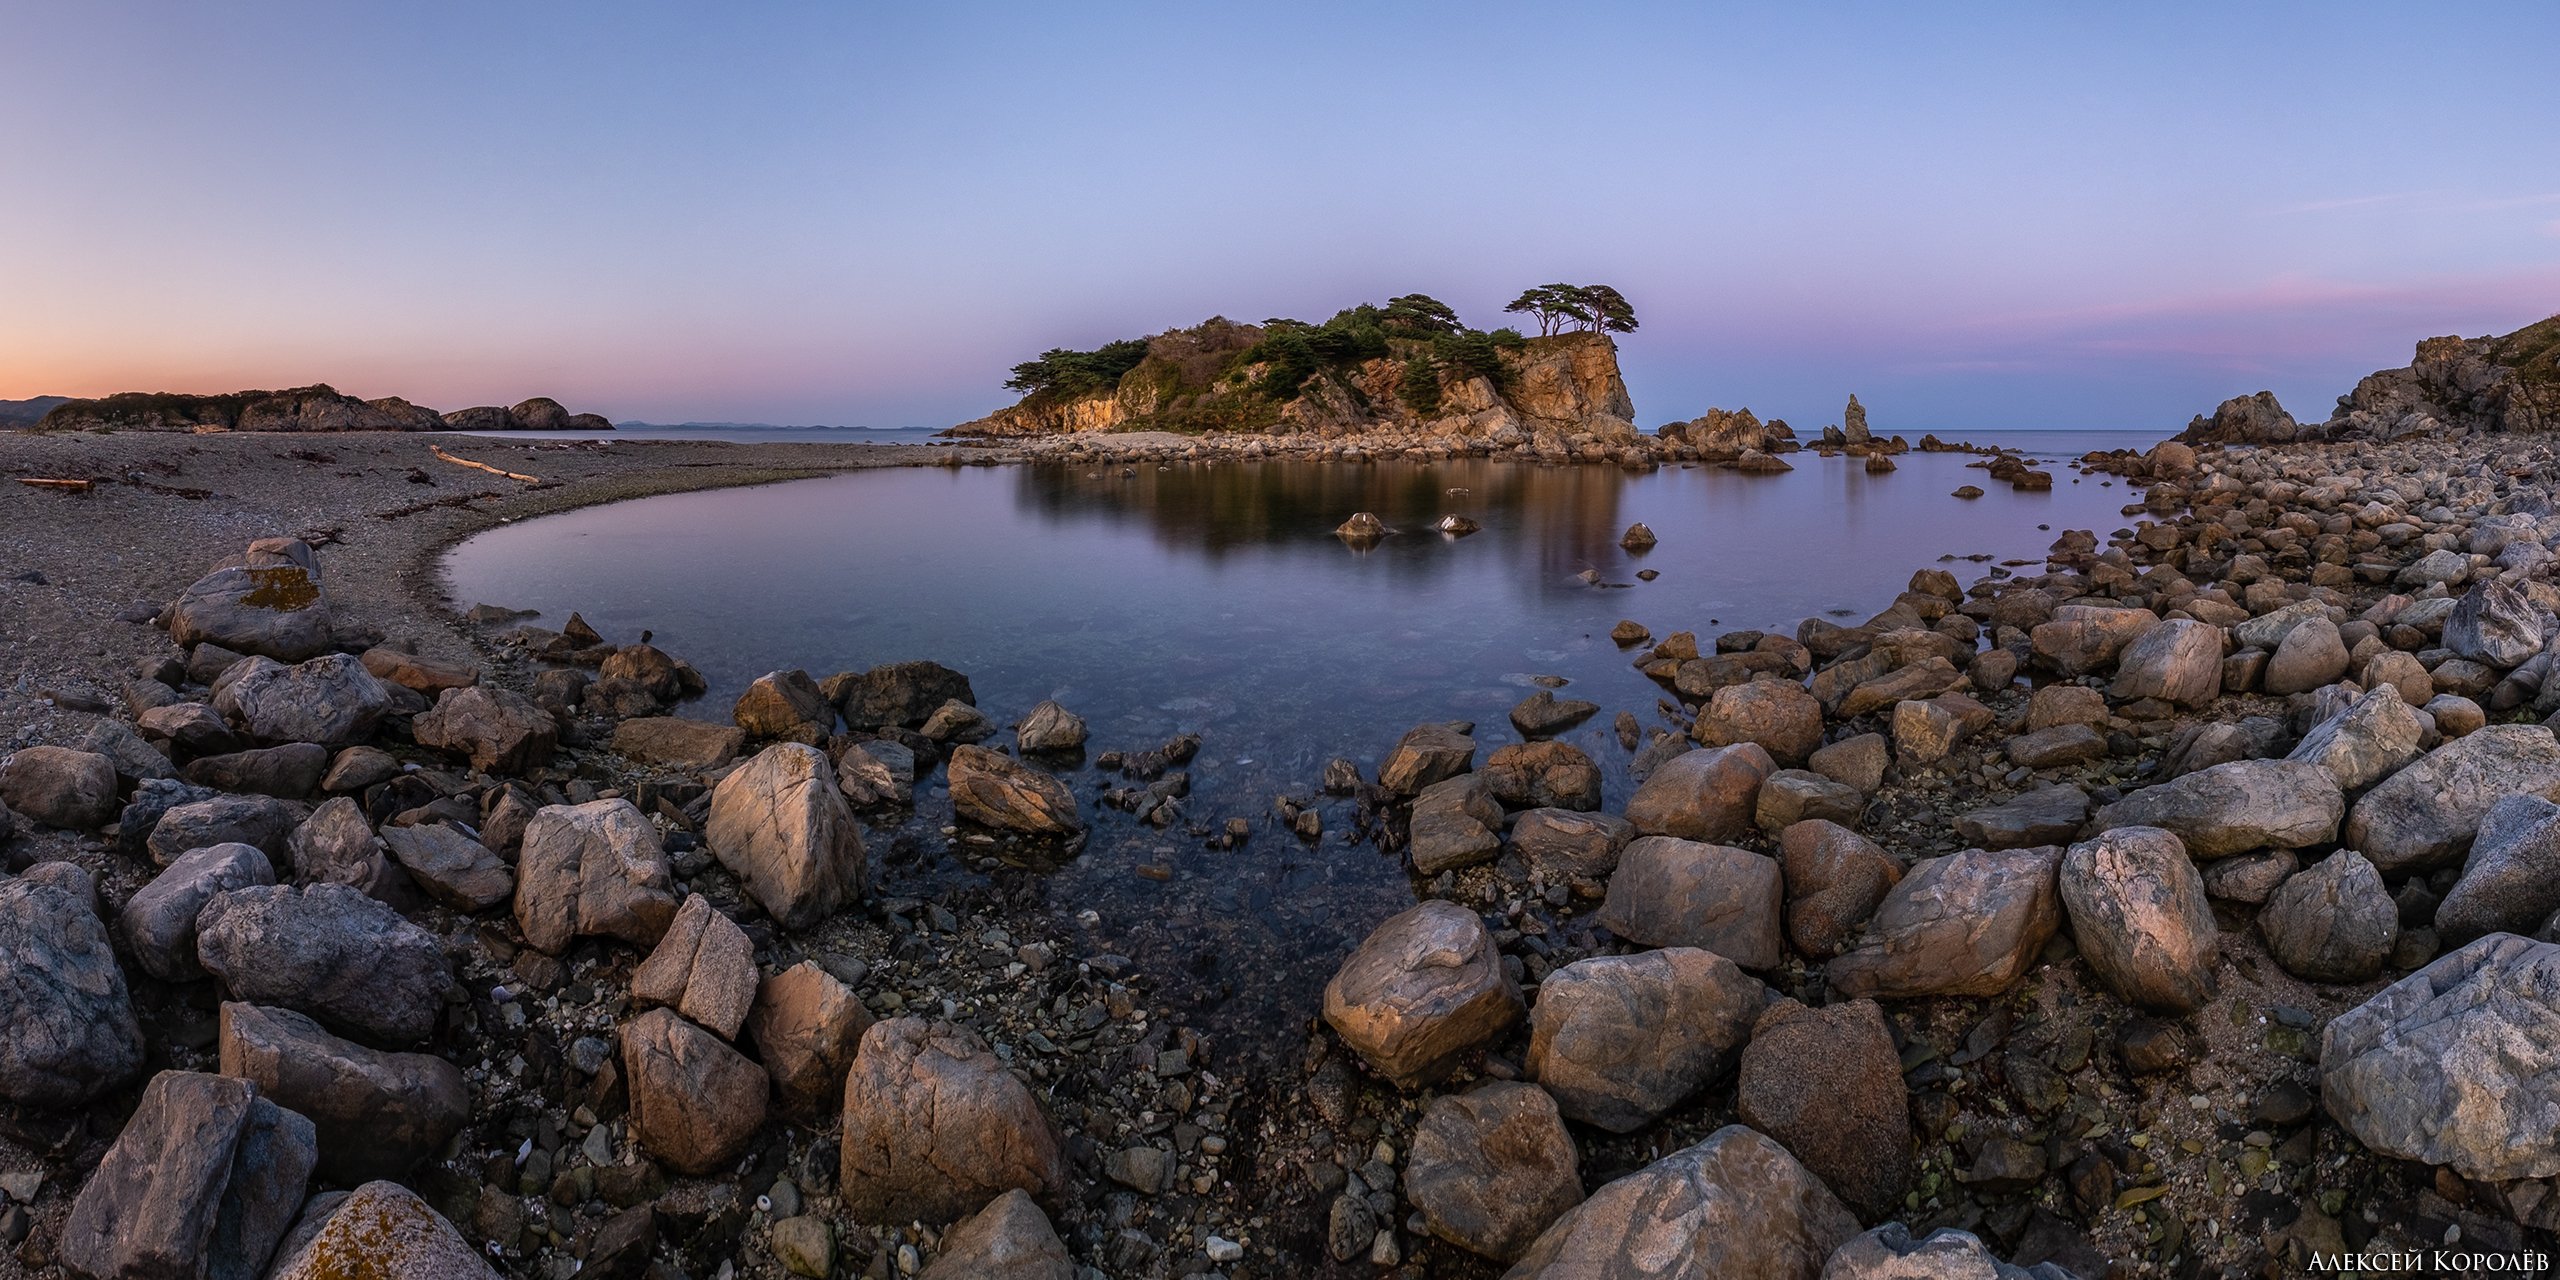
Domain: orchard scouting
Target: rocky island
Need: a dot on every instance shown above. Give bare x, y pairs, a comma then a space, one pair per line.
2181, 904
318, 408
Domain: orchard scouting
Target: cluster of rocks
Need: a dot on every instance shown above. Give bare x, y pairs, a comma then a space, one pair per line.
2301, 715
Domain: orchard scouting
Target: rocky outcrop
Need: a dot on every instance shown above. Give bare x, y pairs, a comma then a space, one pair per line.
2256, 419
2509, 383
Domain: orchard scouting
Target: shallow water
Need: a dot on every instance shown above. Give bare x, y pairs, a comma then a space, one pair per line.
1213, 598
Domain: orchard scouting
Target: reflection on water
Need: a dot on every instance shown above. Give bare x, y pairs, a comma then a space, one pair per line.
1213, 598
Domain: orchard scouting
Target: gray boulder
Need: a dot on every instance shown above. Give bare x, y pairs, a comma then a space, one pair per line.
2456, 1065
2363, 744
1890, 1253
497, 730
1456, 822
2426, 814
291, 770
331, 700
158, 923
1735, 1204
67, 1032
593, 869
60, 787
262, 821
272, 607
1970, 923
2237, 807
203, 1182
2332, 921
2511, 880
1049, 727
1620, 1040
329, 951
374, 1114
335, 845
450, 866
2178, 661
2497, 624
2138, 911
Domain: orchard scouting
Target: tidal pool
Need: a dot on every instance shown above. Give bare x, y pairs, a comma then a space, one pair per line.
1213, 598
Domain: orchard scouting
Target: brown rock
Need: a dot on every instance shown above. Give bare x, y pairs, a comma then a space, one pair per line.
1010, 1239
807, 1026
498, 730
1422, 992
1426, 754
60, 787
380, 1231
935, 1128
410, 671
593, 869
1702, 795
1734, 1205
695, 1102
2138, 910
784, 704
1490, 1168
993, 789
1827, 1084
203, 1181
1779, 715
704, 968
375, 1114
1620, 1040
1543, 775
678, 743
1970, 923
1685, 893
1834, 879
779, 823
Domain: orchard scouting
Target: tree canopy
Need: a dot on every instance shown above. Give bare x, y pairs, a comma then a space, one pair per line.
1591, 308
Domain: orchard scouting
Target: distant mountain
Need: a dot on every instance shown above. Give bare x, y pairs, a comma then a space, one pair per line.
26, 413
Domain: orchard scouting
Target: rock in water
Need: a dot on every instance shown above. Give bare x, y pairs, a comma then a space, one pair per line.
1638, 537
1491, 1168
2457, 1064
326, 950
272, 607
898, 694
1049, 727
1853, 423
1426, 754
1423, 991
593, 869
695, 1102
374, 1114
2238, 807
67, 1031
1619, 1040
1363, 527
2138, 910
1010, 1239
1685, 893
1970, 923
203, 1181
1542, 775
935, 1127
1827, 1084
498, 730
381, 1229
1544, 715
2426, 814
779, 823
993, 789
1454, 823
1734, 1205
59, 787
783, 704
2333, 922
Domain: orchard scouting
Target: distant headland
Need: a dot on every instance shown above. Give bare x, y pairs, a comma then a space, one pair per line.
316, 408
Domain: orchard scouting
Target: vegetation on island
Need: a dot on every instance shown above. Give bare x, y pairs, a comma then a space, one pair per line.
1225, 375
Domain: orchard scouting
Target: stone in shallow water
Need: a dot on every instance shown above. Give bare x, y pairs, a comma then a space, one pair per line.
1424, 755
1455, 823
1554, 775
1543, 714
993, 789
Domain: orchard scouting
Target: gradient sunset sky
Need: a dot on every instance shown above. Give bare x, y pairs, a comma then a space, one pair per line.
1973, 216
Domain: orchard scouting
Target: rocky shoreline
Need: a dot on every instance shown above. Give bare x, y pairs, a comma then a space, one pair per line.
2171, 910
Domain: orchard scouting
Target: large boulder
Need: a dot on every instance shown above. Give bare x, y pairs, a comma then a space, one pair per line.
335, 845
1684, 893
704, 968
272, 607
898, 694
2237, 807
1422, 992
1890, 1253
593, 869
1827, 1083
2332, 921
1703, 795
1967, 924
677, 742
331, 700
1490, 1168
203, 1181
329, 951
67, 1031
806, 1026
695, 1102
2178, 661
1543, 775
2426, 814
2456, 1065
2496, 623
262, 821
497, 730
379, 1231
1834, 879
779, 823
2312, 654
2511, 881
158, 923
995, 790
935, 1128
60, 787
1010, 1239
2138, 910
1455, 822
375, 1114
1735, 1204
451, 867
1620, 1040
2251, 419
2081, 639
2364, 742
289, 771
783, 704
1568, 845
1779, 715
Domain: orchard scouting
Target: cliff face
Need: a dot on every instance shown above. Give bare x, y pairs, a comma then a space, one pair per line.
300, 409
1564, 385
2509, 383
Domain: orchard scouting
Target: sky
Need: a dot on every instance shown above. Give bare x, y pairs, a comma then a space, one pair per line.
1983, 216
